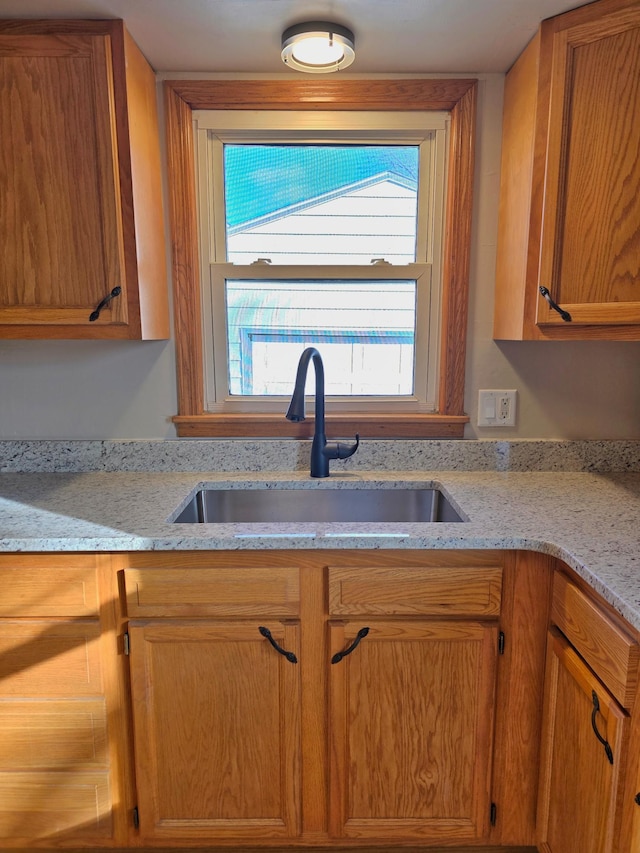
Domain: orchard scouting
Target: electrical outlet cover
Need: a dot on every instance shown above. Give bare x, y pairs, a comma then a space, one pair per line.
496, 408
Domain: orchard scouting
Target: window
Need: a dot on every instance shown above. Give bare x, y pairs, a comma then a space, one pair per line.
276, 279
321, 229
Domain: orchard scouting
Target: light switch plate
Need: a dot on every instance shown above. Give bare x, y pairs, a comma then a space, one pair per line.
496, 408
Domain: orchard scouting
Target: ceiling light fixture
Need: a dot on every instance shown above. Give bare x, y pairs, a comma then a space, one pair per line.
318, 47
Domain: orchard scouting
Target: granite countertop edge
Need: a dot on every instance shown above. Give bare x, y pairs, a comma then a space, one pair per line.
587, 520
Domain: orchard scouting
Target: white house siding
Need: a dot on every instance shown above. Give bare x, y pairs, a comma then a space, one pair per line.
375, 219
292, 315
269, 323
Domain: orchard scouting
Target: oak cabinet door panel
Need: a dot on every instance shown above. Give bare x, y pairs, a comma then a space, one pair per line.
580, 775
82, 246
411, 730
217, 730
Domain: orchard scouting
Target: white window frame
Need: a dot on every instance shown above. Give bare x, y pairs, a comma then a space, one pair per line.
215, 128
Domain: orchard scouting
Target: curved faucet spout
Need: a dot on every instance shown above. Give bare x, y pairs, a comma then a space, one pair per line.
321, 451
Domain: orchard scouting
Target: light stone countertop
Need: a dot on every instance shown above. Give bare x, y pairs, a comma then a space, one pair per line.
589, 520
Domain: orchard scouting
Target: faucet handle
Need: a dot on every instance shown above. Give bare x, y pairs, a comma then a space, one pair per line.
338, 450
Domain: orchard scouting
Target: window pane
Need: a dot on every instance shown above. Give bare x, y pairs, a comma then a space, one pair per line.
364, 330
321, 204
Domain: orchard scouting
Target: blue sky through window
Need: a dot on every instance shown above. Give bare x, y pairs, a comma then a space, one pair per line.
260, 179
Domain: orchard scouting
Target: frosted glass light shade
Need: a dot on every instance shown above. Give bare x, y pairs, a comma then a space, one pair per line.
318, 47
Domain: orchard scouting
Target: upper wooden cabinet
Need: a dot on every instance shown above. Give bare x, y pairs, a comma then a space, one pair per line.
569, 216
80, 184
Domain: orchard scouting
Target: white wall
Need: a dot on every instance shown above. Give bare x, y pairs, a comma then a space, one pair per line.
566, 389
114, 390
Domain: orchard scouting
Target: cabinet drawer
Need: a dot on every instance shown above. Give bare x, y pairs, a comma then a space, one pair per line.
224, 591
53, 734
55, 805
39, 658
438, 591
610, 652
52, 585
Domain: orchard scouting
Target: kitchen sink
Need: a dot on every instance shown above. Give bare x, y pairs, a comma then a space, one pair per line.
263, 506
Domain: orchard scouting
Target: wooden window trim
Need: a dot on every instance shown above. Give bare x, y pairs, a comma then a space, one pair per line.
458, 97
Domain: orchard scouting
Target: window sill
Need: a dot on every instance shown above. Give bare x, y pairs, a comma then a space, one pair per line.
337, 426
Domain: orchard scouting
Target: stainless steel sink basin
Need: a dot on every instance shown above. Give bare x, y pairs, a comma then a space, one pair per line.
228, 506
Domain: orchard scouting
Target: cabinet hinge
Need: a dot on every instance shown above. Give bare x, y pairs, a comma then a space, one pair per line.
501, 643
125, 643
136, 818
493, 814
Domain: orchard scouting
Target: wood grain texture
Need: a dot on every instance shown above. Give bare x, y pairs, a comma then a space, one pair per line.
630, 818
415, 591
183, 96
435, 94
456, 254
117, 697
62, 249
610, 651
53, 585
216, 707
578, 806
367, 426
53, 807
184, 246
323, 849
412, 727
142, 203
54, 734
47, 658
516, 167
526, 598
580, 234
233, 591
591, 240
82, 189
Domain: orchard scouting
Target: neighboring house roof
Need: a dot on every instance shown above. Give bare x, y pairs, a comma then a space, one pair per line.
371, 218
347, 189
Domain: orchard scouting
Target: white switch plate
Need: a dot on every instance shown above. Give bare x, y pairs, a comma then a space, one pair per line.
496, 408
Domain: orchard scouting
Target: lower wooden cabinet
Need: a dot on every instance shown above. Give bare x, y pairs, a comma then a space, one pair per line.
313, 699
583, 757
411, 725
59, 774
217, 729
587, 801
261, 710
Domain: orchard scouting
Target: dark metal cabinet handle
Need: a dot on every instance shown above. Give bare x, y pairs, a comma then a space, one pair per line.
594, 713
288, 655
362, 633
564, 314
95, 314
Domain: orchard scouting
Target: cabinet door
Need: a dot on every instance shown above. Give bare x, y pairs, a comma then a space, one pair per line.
590, 252
216, 729
583, 747
82, 244
411, 729
60, 228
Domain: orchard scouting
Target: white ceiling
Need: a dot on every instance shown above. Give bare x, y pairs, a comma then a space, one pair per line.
392, 36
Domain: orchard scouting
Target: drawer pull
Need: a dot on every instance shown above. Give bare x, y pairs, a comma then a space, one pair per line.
603, 741
564, 314
359, 636
95, 314
288, 655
